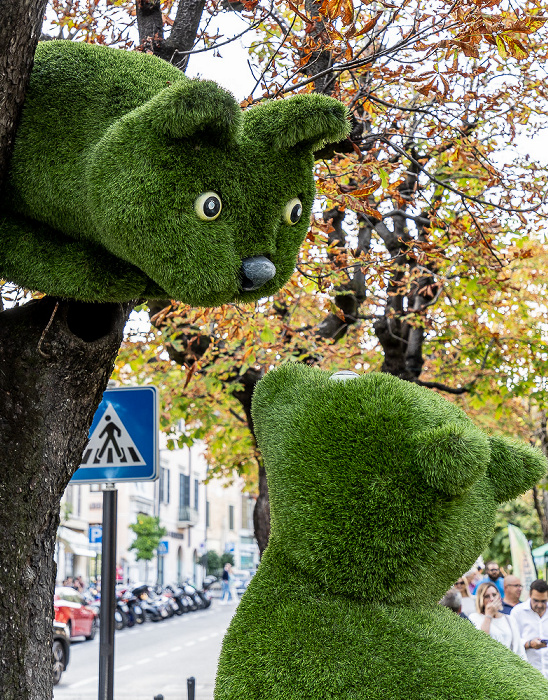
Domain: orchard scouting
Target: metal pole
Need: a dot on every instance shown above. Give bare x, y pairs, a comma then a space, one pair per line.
191, 687
108, 594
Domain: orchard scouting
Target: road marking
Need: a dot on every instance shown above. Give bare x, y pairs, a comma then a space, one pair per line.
84, 682
123, 668
213, 634
159, 656
202, 639
143, 661
176, 648
190, 644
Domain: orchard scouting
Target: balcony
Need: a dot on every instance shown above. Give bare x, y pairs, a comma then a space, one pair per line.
187, 516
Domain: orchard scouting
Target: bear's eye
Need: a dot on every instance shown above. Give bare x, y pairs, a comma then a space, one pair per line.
293, 211
344, 375
208, 206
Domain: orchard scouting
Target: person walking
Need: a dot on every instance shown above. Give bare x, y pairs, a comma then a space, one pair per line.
492, 575
226, 593
512, 593
468, 600
453, 600
531, 618
492, 621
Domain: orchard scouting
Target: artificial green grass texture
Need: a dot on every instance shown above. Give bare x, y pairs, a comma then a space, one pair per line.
112, 151
381, 493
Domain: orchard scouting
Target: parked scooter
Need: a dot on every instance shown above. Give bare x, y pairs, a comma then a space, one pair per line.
184, 602
199, 600
135, 610
122, 617
166, 601
152, 608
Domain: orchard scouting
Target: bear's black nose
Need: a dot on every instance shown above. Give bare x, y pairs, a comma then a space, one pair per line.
255, 272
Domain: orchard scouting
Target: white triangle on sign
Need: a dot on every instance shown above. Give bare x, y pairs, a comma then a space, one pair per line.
110, 444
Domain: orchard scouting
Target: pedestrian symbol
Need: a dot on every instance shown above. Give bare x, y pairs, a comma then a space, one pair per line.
110, 444
123, 438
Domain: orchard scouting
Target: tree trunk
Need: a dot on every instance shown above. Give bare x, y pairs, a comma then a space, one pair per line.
261, 512
20, 23
540, 495
55, 361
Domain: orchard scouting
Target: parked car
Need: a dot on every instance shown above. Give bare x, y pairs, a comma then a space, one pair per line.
71, 609
60, 649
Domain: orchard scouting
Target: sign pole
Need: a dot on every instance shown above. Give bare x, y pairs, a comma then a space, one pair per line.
108, 594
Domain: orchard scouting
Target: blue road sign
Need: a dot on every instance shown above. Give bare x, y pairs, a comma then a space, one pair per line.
123, 438
95, 534
163, 547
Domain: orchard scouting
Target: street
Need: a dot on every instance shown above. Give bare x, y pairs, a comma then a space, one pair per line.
153, 658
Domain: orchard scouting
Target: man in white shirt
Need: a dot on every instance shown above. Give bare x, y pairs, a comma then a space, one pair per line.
532, 620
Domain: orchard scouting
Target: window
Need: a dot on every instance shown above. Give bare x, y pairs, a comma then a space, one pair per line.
207, 513
231, 517
164, 485
196, 493
184, 491
248, 504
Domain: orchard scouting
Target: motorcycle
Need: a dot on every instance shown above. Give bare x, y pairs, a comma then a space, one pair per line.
184, 603
122, 616
135, 610
199, 599
152, 608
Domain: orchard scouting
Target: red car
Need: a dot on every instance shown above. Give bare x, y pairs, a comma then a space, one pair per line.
71, 608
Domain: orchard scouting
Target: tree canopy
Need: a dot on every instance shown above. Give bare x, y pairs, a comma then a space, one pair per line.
425, 256
426, 252
148, 533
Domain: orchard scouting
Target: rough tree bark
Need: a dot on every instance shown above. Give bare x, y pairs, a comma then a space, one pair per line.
540, 492
183, 32
55, 361
54, 368
20, 23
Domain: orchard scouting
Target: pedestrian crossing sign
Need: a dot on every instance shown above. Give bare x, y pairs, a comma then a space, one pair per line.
123, 439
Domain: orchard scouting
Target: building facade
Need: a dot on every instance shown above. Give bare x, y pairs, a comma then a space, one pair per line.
198, 516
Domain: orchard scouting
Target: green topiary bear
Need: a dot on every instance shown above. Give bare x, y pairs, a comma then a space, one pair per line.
382, 493
129, 180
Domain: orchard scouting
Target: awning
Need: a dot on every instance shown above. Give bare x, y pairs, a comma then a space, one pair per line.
541, 551
75, 542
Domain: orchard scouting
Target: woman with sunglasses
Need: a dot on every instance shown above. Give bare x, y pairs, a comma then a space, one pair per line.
468, 600
493, 622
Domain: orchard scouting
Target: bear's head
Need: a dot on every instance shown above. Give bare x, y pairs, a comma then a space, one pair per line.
380, 489
211, 203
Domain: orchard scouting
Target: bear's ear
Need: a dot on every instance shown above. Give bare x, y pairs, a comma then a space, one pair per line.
452, 456
514, 467
193, 108
313, 120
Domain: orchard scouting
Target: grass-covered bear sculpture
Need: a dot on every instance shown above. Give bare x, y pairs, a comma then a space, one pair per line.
381, 494
129, 180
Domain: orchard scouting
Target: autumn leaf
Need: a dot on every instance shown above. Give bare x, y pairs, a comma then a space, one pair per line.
501, 46
347, 14
516, 49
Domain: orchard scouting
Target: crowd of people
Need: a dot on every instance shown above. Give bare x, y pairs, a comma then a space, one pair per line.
76, 582
492, 604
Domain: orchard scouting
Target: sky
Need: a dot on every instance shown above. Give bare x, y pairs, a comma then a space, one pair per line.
230, 70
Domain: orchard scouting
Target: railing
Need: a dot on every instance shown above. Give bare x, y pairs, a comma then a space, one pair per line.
187, 516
